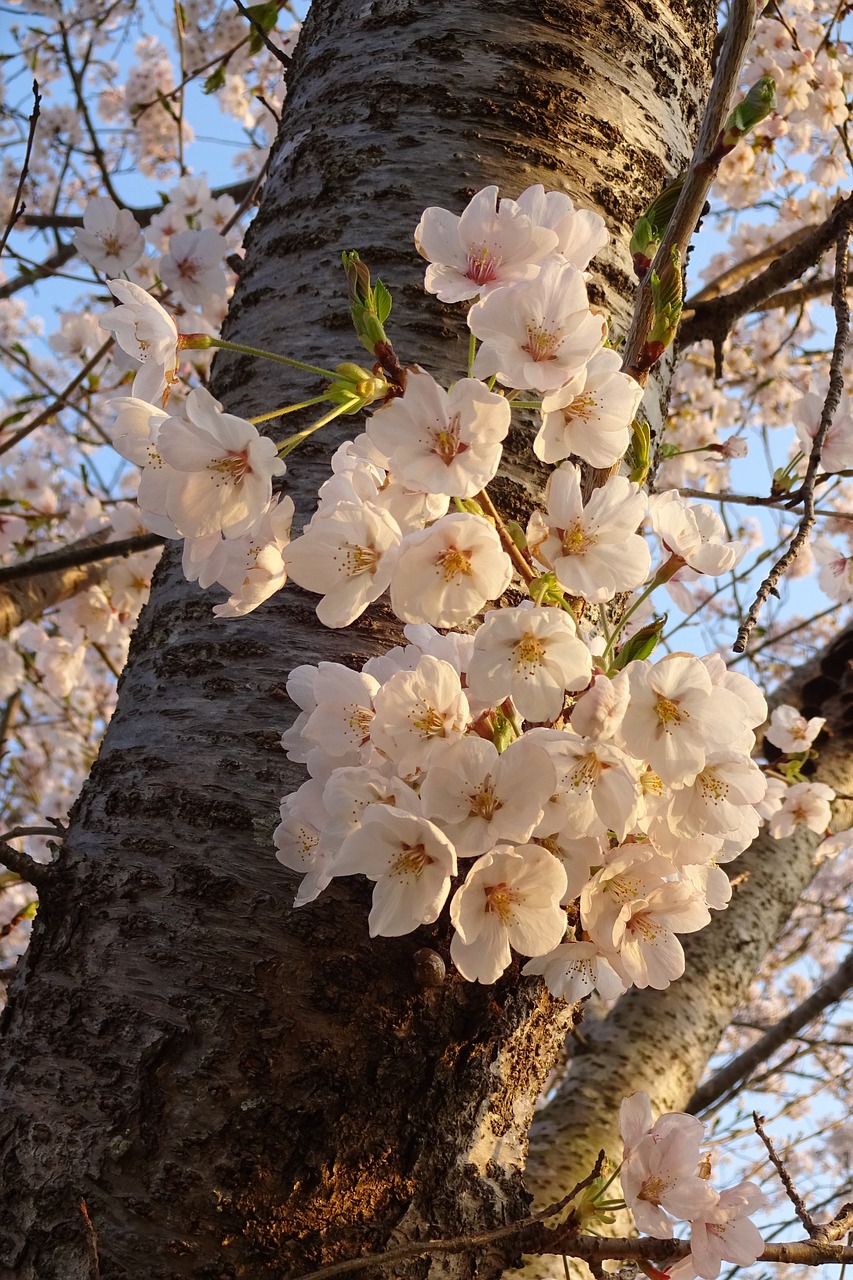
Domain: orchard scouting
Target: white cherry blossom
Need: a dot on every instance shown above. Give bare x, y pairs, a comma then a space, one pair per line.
193, 267
593, 549
581, 232
442, 442
481, 798
221, 469
693, 533
574, 969
489, 245
147, 332
590, 415
510, 898
347, 554
446, 573
110, 239
723, 1233
410, 860
676, 716
532, 655
418, 714
790, 731
806, 802
537, 334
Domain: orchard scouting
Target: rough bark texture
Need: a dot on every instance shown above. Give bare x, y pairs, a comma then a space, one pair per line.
660, 1041
231, 1088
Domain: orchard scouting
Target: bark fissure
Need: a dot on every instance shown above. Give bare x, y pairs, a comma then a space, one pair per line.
237, 1089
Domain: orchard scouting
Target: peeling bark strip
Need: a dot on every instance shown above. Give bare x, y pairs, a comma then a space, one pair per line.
234, 1089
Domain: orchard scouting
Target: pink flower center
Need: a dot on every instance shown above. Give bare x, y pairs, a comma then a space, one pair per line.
234, 464
482, 265
541, 344
446, 443
411, 861
499, 901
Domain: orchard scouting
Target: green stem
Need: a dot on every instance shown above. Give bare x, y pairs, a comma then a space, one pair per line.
620, 626
472, 351
292, 442
271, 355
291, 408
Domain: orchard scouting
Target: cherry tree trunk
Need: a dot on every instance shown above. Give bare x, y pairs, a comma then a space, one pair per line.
196, 1080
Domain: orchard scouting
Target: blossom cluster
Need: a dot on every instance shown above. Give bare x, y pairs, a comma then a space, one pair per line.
665, 1176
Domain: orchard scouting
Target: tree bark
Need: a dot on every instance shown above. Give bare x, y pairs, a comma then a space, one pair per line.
196, 1080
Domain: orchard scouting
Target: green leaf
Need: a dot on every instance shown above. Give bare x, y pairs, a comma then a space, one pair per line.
641, 645
264, 16
382, 302
215, 80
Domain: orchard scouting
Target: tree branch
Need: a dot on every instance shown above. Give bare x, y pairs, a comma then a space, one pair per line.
700, 174
80, 553
17, 206
727, 1078
830, 404
714, 319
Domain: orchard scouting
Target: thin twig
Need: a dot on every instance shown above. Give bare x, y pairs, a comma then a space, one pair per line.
729, 1076
714, 319
273, 49
784, 1177
456, 1244
17, 206
35, 873
830, 405
74, 556
61, 401
92, 1241
698, 179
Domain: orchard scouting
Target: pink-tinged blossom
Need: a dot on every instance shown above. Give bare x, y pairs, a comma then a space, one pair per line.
348, 792
836, 570
837, 451
573, 970
418, 714
581, 232
446, 573
806, 802
599, 712
676, 716
110, 239
145, 331
481, 798
193, 267
632, 873
340, 722
791, 732
410, 860
650, 954
723, 1233
593, 549
598, 787
255, 570
721, 799
489, 245
347, 555
442, 442
658, 1172
510, 898
532, 655
222, 469
538, 334
694, 534
297, 840
590, 415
